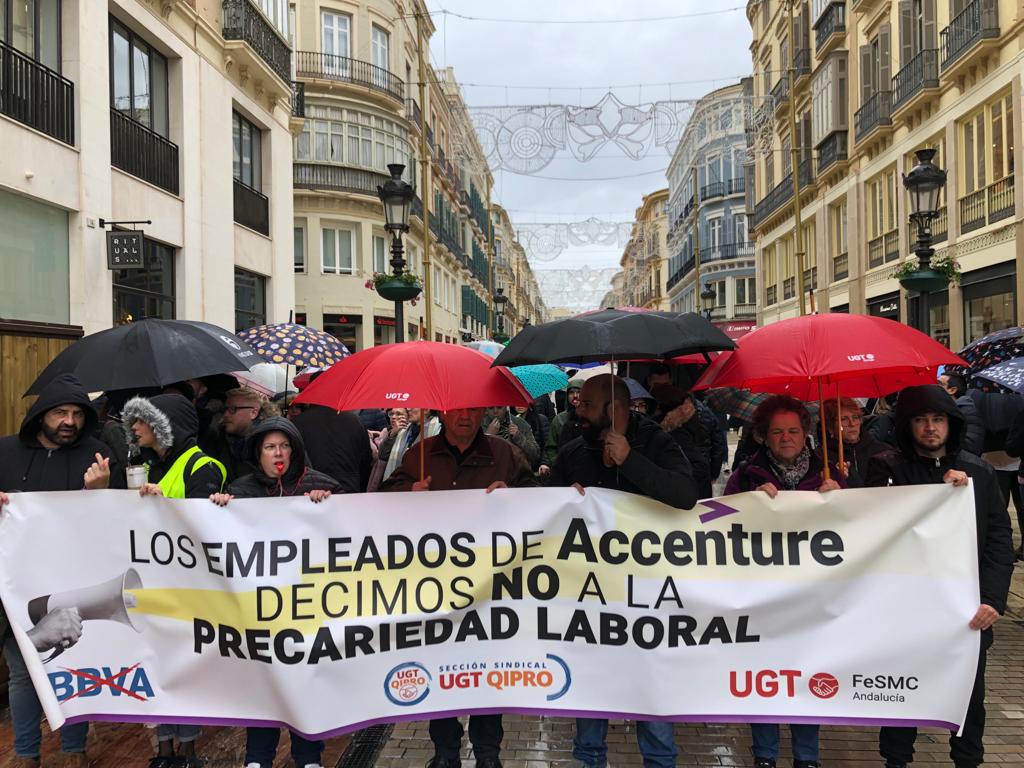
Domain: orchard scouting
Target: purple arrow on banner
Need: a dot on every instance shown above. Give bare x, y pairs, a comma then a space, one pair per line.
718, 509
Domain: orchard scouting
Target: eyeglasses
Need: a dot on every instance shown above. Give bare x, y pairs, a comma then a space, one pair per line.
233, 409
851, 420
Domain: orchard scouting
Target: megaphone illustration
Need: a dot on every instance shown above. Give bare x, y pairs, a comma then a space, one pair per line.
108, 600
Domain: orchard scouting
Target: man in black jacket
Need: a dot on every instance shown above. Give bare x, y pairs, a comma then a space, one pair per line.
53, 451
928, 430
337, 444
622, 450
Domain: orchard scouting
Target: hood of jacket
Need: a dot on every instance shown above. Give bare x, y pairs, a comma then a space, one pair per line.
172, 418
63, 390
297, 463
926, 398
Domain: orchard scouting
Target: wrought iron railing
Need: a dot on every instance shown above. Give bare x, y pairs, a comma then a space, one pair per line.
338, 178
737, 186
412, 112
143, 153
972, 211
920, 72
328, 66
298, 99
833, 150
940, 226
780, 91
978, 21
782, 192
252, 208
36, 96
712, 190
831, 21
1000, 199
876, 111
725, 251
244, 21
876, 252
841, 266
802, 62
892, 245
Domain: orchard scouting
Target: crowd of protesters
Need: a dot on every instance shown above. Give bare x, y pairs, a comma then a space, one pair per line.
652, 438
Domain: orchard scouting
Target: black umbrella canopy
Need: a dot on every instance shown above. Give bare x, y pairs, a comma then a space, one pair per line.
149, 353
614, 334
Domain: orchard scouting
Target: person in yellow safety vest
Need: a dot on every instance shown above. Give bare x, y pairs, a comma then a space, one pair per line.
164, 429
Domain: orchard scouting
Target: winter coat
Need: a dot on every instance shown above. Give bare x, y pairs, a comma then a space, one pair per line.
692, 438
174, 422
227, 449
858, 455
996, 410
337, 445
564, 428
972, 438
882, 427
487, 460
393, 449
655, 467
299, 478
375, 419
718, 447
523, 439
758, 470
907, 467
540, 425
25, 465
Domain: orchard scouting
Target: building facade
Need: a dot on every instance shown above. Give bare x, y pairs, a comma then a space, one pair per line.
708, 236
171, 113
645, 258
874, 82
364, 108
514, 280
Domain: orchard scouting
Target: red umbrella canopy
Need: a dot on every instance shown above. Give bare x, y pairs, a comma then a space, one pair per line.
851, 355
415, 374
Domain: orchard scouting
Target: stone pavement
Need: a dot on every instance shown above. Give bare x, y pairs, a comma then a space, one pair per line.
538, 742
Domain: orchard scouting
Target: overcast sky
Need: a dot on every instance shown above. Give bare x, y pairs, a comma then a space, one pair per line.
696, 54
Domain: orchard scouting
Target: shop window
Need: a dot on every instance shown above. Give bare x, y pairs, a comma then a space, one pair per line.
146, 292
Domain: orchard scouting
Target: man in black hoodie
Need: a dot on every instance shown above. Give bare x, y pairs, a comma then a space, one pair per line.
928, 432
53, 451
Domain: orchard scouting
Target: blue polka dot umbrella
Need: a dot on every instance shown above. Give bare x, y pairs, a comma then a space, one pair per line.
294, 344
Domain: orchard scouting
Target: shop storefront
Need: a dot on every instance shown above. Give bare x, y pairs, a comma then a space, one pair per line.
990, 302
149, 291
346, 328
885, 306
383, 330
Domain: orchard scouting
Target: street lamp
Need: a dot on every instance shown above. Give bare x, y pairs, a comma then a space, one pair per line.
924, 183
707, 300
397, 195
500, 300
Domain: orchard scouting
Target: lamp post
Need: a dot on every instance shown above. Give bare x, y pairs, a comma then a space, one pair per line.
924, 183
397, 195
707, 300
500, 300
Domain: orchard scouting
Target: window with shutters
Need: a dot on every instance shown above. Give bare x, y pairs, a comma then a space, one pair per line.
986, 145
829, 98
787, 156
875, 64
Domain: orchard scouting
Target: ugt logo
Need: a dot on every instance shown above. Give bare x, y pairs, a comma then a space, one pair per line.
129, 681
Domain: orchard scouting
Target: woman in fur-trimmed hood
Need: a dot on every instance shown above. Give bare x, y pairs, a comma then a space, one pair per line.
164, 428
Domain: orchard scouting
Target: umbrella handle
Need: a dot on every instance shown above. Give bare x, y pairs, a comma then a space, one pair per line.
839, 431
423, 450
824, 440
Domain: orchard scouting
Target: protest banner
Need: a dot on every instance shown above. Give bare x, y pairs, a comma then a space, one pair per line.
846, 607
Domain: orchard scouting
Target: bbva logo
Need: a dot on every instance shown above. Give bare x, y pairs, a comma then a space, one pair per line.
88, 681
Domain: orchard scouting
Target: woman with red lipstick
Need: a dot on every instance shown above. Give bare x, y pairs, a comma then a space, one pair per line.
275, 450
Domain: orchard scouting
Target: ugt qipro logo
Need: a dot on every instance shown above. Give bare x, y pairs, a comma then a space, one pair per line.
400, 396
83, 683
407, 684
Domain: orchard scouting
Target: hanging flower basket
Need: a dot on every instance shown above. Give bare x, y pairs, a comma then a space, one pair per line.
404, 287
940, 273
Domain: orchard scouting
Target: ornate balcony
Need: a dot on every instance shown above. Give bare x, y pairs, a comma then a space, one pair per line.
243, 21
987, 206
833, 150
298, 99
802, 63
338, 178
780, 92
782, 193
36, 96
972, 211
725, 251
143, 153
327, 66
884, 248
876, 113
1000, 199
920, 74
831, 22
713, 190
977, 22
252, 209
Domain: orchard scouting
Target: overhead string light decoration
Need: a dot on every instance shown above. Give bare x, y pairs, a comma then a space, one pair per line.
582, 288
545, 241
526, 139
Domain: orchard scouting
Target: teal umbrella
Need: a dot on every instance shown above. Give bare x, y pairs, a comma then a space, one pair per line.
540, 379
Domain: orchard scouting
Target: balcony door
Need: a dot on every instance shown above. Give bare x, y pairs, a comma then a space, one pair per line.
336, 34
715, 237
32, 27
381, 50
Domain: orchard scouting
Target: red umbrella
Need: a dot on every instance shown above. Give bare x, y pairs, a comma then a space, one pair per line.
415, 374
819, 356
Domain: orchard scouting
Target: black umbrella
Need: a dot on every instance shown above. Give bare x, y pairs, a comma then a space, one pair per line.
149, 353
614, 334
